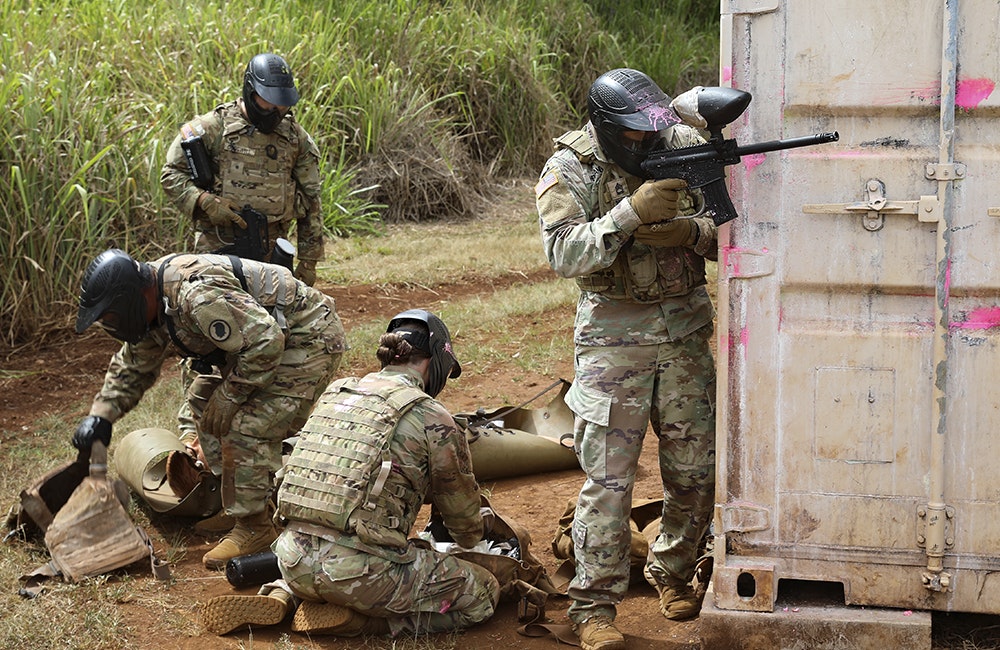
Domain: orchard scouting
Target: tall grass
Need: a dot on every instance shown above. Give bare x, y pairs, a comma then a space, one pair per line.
416, 107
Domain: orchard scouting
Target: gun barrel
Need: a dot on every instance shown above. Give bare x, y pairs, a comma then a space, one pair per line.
790, 143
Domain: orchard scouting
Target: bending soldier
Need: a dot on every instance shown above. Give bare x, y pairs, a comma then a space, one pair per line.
277, 341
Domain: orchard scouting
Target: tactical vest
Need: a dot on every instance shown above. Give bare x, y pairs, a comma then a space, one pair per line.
339, 475
255, 167
640, 273
273, 287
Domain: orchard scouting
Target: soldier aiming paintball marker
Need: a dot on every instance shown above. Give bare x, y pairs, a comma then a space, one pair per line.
703, 166
250, 242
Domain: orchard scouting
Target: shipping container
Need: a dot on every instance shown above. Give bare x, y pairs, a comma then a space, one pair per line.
859, 306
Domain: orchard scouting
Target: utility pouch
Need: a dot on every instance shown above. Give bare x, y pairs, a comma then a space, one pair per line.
197, 158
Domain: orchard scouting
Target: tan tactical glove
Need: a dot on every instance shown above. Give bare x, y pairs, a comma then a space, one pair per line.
220, 210
697, 234
679, 232
306, 271
657, 200
219, 413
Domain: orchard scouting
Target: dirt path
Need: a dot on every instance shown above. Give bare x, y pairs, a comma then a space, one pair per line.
55, 379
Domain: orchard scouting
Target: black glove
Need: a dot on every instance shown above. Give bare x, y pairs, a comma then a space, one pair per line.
93, 427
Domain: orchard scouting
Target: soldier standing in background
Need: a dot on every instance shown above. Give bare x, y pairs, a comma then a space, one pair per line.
258, 155
278, 341
642, 334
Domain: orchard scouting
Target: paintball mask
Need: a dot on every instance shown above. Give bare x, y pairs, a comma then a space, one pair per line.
436, 344
268, 76
624, 101
112, 290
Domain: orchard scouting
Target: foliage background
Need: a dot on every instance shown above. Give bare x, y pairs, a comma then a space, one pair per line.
418, 108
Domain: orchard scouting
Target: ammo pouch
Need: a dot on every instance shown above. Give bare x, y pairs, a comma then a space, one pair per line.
516, 441
91, 533
150, 460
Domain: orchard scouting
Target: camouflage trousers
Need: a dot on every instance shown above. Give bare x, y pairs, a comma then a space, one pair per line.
435, 592
618, 392
250, 454
207, 241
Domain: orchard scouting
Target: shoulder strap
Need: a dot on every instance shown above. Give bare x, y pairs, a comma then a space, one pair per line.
171, 329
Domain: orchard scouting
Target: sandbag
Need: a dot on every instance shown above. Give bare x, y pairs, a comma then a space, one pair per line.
517, 441
154, 464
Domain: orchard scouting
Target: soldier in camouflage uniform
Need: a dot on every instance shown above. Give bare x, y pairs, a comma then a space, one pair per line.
642, 333
261, 157
370, 453
278, 341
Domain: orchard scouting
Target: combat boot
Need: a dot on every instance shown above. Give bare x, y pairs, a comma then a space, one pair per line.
223, 614
251, 534
678, 601
599, 633
313, 617
220, 522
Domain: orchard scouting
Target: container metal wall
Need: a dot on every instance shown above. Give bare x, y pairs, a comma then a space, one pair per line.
859, 306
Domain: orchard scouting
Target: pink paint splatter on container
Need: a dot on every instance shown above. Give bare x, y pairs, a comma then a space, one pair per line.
970, 93
983, 318
752, 160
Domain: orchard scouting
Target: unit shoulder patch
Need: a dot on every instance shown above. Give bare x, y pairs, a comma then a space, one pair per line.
219, 330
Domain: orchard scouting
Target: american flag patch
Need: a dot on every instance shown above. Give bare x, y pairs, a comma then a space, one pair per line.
545, 183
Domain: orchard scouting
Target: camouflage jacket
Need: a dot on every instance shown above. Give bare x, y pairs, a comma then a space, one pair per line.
430, 461
209, 310
275, 173
586, 229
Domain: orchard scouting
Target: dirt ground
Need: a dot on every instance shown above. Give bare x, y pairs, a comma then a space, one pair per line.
67, 373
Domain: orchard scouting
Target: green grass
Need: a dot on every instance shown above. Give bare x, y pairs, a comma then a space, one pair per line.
418, 109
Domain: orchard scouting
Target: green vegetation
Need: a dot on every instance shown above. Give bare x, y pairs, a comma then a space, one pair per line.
416, 106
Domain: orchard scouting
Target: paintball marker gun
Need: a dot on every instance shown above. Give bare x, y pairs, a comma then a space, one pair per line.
250, 242
703, 166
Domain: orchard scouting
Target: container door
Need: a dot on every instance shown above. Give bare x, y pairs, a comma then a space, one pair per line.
859, 306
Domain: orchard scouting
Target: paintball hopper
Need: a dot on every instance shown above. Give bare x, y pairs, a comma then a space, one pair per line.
712, 107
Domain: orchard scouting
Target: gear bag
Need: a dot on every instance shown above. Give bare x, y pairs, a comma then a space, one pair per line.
521, 576
516, 441
39, 502
155, 465
91, 533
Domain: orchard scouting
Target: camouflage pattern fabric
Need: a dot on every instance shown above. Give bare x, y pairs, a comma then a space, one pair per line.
275, 173
642, 358
415, 588
434, 592
275, 375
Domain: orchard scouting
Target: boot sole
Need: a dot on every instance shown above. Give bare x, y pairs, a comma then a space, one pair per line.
320, 618
223, 614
